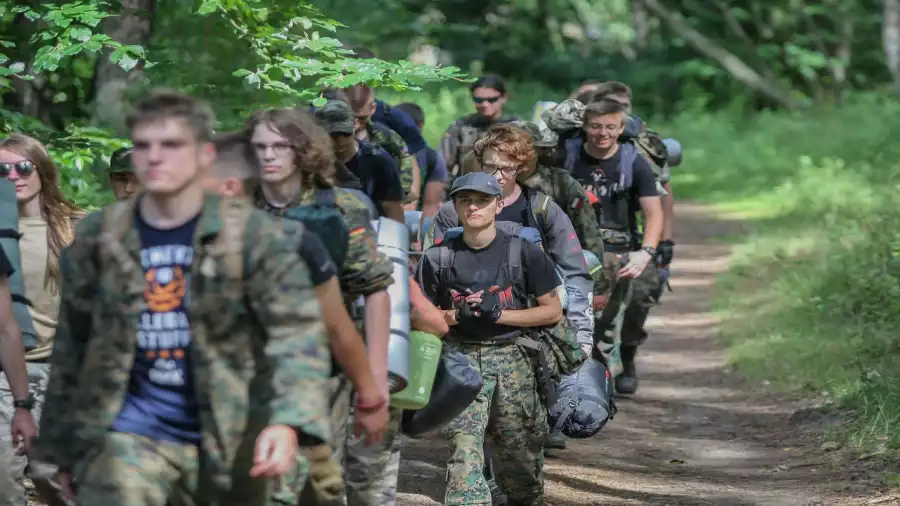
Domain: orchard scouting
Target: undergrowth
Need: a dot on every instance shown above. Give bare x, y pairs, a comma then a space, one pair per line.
812, 300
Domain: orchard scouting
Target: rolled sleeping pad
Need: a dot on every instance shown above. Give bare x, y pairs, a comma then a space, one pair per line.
585, 401
393, 241
413, 221
9, 241
673, 148
539, 109
425, 352
456, 384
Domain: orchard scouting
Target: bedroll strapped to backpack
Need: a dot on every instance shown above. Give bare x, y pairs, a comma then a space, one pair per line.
325, 219
9, 241
584, 402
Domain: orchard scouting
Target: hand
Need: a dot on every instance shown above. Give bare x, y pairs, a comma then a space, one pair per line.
371, 423
600, 302
489, 309
64, 481
637, 262
275, 453
465, 312
23, 429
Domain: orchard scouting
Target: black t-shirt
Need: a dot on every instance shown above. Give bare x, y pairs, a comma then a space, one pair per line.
6, 268
487, 269
615, 210
378, 174
517, 212
314, 253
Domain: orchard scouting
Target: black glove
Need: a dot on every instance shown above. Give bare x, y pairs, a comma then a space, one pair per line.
665, 250
465, 312
490, 305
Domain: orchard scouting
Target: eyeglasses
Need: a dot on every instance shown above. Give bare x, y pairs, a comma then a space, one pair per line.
23, 168
490, 100
279, 148
506, 171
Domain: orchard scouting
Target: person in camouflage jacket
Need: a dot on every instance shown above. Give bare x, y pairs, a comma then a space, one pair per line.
254, 350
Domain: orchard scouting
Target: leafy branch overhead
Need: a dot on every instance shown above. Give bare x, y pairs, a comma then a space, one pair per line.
296, 59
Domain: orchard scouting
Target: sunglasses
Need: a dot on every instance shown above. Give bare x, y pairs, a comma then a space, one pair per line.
23, 168
490, 100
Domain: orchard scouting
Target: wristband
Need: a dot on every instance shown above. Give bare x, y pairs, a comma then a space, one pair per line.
371, 407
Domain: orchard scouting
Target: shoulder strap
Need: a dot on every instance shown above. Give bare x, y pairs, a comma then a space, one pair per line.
117, 220
515, 261
626, 165
446, 256
235, 216
571, 146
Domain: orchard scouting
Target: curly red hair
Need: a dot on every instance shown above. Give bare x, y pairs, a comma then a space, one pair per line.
514, 142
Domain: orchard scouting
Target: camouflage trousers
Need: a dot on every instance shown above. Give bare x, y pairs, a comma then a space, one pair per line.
13, 468
130, 470
621, 322
372, 471
317, 479
510, 413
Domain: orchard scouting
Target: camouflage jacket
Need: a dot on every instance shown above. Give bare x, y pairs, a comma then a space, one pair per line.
390, 141
365, 270
259, 354
460, 137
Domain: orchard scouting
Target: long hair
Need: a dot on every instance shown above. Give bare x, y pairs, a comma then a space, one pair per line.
314, 159
55, 207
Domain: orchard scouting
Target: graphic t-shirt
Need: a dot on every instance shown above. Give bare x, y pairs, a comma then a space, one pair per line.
160, 402
487, 269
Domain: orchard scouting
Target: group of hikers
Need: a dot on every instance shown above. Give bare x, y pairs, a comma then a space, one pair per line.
221, 334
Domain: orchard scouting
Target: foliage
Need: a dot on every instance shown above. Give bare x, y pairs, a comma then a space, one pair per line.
811, 299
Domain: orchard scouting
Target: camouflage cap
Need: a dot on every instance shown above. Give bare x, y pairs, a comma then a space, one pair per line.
543, 136
120, 161
566, 115
336, 117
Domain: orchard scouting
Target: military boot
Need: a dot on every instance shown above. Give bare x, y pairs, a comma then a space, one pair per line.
555, 441
627, 382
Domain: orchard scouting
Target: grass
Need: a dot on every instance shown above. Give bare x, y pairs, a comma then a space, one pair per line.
812, 301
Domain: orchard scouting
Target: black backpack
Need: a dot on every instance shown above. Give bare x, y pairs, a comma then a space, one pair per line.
325, 219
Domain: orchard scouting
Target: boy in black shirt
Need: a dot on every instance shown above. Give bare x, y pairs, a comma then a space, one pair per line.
485, 303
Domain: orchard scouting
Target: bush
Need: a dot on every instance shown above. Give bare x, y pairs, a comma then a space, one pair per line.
812, 302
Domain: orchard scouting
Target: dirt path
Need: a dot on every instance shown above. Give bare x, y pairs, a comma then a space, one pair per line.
695, 433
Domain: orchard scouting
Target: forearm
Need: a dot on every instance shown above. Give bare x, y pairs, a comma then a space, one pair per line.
668, 207
653, 227
378, 332
394, 210
424, 315
432, 199
12, 360
347, 345
531, 317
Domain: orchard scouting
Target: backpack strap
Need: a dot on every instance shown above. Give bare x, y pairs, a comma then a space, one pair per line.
572, 146
446, 257
540, 212
516, 276
626, 165
359, 194
117, 220
230, 239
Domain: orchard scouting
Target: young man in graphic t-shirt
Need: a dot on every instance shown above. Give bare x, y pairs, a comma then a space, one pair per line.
179, 312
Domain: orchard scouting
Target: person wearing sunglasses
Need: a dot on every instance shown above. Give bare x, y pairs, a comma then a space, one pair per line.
47, 224
489, 97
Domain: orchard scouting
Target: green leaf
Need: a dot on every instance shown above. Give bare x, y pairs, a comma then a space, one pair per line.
319, 102
80, 34
241, 73
208, 7
17, 67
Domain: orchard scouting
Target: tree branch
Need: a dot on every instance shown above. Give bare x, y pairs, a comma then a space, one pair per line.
734, 65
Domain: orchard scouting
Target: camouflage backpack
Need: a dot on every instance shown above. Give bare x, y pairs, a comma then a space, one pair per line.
390, 141
229, 242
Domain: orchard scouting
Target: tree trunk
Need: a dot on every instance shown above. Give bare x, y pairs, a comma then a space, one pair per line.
734, 65
890, 38
641, 23
132, 27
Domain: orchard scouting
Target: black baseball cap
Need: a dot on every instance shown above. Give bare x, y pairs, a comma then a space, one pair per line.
481, 182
